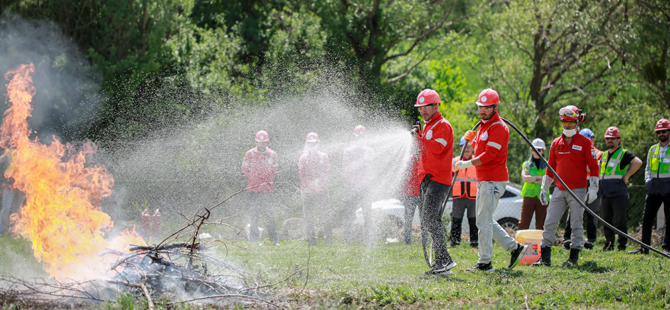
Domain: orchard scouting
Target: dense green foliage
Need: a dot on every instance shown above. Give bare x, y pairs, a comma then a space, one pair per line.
170, 61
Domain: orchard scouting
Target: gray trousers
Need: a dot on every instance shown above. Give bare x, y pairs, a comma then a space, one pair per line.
354, 199
311, 204
488, 194
11, 202
560, 200
261, 204
411, 203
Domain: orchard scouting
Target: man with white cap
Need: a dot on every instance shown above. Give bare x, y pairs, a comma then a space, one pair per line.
260, 166
531, 172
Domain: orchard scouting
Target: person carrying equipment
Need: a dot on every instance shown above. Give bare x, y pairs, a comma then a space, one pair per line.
657, 179
570, 156
436, 145
531, 173
357, 163
491, 142
465, 195
591, 222
314, 168
260, 166
616, 167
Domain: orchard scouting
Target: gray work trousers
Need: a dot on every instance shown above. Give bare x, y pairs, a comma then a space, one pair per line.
411, 203
261, 204
311, 204
11, 202
488, 194
356, 198
559, 201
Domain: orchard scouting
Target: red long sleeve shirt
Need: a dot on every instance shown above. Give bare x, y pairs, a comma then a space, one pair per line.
491, 148
437, 147
570, 161
412, 182
314, 170
260, 168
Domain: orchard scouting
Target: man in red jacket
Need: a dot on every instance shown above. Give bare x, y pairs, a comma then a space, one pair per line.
314, 168
490, 160
436, 144
570, 156
260, 166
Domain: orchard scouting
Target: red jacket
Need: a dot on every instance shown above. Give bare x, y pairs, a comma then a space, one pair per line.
466, 182
437, 147
314, 170
357, 163
571, 160
412, 182
260, 168
491, 148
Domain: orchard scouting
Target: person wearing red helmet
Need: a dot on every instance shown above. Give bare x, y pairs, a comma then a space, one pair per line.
657, 179
260, 166
357, 163
571, 157
490, 160
617, 165
314, 168
436, 145
464, 196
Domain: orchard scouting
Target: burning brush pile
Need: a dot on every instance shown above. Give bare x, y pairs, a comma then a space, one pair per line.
63, 219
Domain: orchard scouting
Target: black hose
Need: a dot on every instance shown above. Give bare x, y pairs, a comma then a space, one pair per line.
646, 246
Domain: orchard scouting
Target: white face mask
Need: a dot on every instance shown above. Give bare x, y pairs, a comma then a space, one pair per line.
312, 148
569, 132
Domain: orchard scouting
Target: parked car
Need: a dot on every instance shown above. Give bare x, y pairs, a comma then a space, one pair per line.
507, 214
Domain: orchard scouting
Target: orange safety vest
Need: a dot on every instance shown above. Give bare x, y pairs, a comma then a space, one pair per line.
465, 186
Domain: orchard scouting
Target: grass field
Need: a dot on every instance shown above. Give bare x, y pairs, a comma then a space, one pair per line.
391, 276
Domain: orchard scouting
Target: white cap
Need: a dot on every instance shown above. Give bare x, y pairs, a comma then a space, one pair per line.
538, 143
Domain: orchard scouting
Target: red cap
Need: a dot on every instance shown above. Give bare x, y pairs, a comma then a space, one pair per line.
427, 97
488, 97
312, 137
359, 131
662, 124
262, 136
612, 132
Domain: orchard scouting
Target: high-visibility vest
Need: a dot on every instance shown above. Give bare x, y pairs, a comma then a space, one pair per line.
465, 186
612, 169
660, 164
531, 189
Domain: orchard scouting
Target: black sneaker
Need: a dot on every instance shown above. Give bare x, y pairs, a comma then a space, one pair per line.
482, 267
588, 245
566, 244
517, 255
442, 267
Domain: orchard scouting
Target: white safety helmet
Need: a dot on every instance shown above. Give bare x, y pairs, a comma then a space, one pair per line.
538, 144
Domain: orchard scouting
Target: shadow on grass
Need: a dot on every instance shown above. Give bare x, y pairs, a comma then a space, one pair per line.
589, 266
448, 277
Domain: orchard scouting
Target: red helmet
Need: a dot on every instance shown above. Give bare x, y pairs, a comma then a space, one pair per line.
262, 136
662, 124
612, 132
359, 131
571, 113
427, 97
312, 137
488, 97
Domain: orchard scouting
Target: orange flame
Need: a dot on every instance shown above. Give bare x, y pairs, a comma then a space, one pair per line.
62, 214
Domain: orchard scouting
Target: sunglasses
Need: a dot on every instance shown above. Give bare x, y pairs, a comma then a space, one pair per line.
568, 123
661, 132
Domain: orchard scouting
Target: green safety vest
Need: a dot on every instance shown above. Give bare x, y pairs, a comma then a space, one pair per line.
660, 164
612, 169
532, 189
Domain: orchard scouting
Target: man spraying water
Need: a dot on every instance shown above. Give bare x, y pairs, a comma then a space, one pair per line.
491, 162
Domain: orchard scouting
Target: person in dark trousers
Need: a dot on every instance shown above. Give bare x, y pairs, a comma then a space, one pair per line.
260, 166
358, 175
616, 166
570, 156
491, 142
591, 221
532, 171
411, 199
314, 167
657, 179
436, 145
465, 198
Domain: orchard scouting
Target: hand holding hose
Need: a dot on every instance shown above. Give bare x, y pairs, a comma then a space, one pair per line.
544, 191
469, 135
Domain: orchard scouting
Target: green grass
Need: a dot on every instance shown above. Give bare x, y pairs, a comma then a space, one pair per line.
392, 276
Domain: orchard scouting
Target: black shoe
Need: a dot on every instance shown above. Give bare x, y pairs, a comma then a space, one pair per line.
639, 250
517, 255
442, 267
588, 245
621, 248
455, 244
482, 267
545, 257
474, 244
609, 246
574, 257
566, 244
